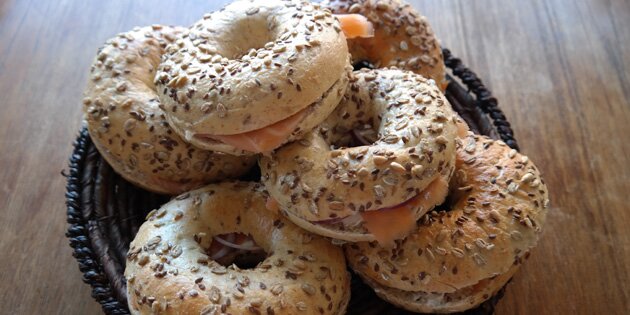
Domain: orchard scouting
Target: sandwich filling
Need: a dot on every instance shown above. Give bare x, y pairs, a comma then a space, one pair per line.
266, 139
391, 223
355, 25
260, 140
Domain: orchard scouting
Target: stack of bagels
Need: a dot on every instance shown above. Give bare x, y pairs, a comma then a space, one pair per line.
370, 167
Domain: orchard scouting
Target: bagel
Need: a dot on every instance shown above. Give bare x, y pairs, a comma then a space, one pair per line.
254, 75
498, 204
168, 270
402, 37
128, 128
349, 193
460, 300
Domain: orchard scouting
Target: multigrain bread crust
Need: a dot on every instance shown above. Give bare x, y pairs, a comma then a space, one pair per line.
253, 64
402, 37
458, 301
168, 271
128, 127
313, 115
498, 208
414, 146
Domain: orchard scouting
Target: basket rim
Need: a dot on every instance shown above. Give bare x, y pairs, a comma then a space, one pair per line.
79, 230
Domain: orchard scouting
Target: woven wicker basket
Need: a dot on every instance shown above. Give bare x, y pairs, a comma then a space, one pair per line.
105, 211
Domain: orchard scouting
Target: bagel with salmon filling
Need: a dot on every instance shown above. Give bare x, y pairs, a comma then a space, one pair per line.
377, 190
459, 257
169, 269
128, 126
254, 75
402, 37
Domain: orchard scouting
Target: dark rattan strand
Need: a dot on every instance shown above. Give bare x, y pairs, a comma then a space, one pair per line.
485, 100
105, 211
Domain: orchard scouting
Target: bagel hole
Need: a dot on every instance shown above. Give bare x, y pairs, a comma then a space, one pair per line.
247, 33
453, 197
236, 249
363, 64
455, 194
447, 205
361, 135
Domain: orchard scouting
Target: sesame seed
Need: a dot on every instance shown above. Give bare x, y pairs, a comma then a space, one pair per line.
441, 140
382, 5
379, 160
528, 177
363, 172
308, 289
219, 270
417, 171
301, 306
129, 124
276, 289
238, 295
256, 302
512, 187
494, 214
397, 168
143, 259
458, 252
379, 192
121, 87
252, 11
512, 153
214, 295
479, 260
430, 254
355, 8
176, 251
221, 110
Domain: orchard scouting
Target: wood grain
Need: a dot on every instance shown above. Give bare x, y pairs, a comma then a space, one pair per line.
560, 68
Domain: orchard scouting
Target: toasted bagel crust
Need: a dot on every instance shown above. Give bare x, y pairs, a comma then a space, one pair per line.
416, 145
458, 301
402, 38
128, 127
499, 206
253, 64
169, 272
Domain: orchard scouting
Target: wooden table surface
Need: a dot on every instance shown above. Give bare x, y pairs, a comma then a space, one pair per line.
560, 68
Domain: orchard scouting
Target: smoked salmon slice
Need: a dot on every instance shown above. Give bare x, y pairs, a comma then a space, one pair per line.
390, 224
462, 129
272, 204
261, 140
355, 25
